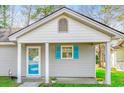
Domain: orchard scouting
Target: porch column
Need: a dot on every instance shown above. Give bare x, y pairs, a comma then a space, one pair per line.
19, 80
108, 67
46, 62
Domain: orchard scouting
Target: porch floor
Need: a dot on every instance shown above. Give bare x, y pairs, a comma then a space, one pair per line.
24, 79
77, 80
67, 80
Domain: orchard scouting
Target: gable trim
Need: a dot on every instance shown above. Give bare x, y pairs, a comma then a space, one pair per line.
105, 27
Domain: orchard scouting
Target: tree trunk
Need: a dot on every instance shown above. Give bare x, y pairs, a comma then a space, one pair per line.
101, 55
12, 13
29, 15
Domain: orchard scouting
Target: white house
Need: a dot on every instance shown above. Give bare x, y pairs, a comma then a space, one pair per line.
118, 55
61, 44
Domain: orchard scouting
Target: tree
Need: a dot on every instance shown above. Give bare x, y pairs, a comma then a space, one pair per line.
4, 16
108, 15
12, 15
44, 10
26, 12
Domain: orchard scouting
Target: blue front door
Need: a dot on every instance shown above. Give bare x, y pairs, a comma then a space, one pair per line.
33, 61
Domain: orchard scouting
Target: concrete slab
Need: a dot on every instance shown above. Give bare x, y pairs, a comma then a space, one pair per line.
77, 80
30, 84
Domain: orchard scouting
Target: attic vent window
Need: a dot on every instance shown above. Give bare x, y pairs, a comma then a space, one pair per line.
63, 25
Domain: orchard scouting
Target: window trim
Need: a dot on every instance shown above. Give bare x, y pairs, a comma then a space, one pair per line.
72, 51
27, 55
59, 25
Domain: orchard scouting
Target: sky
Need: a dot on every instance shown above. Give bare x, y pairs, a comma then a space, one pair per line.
19, 18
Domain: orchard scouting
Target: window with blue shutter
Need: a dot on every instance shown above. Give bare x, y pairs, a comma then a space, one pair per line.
76, 52
58, 51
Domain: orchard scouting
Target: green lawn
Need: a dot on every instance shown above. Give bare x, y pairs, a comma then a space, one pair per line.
7, 82
117, 77
117, 80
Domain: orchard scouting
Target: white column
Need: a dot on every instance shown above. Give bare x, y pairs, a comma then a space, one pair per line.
46, 62
19, 63
108, 66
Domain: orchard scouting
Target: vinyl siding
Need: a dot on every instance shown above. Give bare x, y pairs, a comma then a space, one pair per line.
120, 54
119, 64
82, 67
8, 60
77, 32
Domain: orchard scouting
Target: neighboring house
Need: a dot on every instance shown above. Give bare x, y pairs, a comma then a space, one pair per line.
61, 44
118, 55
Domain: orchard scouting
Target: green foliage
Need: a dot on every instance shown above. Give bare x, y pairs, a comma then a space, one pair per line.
106, 9
113, 13
41, 11
4, 21
113, 69
97, 59
110, 8
7, 82
121, 17
53, 78
117, 78
100, 79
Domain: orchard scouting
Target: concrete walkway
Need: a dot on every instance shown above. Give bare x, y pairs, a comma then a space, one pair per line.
30, 84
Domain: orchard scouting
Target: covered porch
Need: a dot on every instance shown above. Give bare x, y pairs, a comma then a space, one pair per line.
48, 68
77, 29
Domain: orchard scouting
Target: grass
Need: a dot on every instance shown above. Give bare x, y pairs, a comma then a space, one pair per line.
7, 82
117, 78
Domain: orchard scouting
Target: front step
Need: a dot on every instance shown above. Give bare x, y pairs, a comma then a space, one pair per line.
33, 80
30, 84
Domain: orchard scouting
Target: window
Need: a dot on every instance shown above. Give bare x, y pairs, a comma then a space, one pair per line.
63, 25
66, 52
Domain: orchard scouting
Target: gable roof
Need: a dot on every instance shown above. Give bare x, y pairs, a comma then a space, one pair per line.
80, 17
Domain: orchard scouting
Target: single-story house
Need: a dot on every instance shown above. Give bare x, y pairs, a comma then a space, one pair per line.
61, 44
118, 55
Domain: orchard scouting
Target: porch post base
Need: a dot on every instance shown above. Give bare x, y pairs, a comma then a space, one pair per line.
108, 82
19, 81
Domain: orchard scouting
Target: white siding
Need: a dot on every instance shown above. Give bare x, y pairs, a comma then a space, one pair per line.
78, 32
8, 59
82, 67
119, 64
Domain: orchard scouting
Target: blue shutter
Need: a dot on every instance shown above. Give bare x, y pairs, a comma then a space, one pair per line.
76, 52
58, 51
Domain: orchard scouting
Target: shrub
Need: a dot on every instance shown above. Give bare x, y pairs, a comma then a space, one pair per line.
100, 79
97, 59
